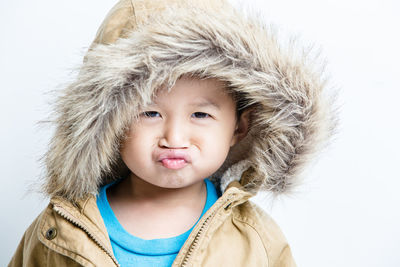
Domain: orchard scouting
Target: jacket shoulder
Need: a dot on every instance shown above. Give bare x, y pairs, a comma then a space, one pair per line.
274, 241
31, 251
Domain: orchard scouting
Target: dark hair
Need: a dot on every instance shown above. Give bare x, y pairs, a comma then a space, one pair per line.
240, 99
241, 105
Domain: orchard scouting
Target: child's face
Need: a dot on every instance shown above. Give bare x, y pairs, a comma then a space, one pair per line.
184, 136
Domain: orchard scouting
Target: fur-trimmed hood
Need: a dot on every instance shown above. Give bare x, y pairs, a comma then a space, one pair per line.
143, 45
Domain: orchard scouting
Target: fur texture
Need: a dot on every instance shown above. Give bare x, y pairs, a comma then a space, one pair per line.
142, 47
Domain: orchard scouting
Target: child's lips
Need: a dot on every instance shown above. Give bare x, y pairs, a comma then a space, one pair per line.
174, 163
174, 159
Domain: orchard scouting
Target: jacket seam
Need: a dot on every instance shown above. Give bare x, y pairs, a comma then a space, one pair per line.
241, 219
281, 251
84, 205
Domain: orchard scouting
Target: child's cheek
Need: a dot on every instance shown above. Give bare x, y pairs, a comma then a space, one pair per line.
217, 146
136, 147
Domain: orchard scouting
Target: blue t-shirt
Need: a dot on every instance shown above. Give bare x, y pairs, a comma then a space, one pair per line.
130, 250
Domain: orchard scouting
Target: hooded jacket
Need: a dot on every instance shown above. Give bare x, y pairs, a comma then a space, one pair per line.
145, 45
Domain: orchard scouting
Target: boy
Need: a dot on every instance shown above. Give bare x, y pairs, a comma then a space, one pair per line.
181, 112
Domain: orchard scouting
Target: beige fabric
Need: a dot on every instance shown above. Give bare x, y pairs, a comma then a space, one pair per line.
127, 14
140, 46
233, 232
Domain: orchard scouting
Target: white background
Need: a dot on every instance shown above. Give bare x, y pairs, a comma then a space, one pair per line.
345, 214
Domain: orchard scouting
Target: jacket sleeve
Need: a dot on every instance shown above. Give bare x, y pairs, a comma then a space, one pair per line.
277, 248
30, 251
285, 258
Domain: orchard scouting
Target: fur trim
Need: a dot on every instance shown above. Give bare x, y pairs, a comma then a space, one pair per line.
233, 173
130, 60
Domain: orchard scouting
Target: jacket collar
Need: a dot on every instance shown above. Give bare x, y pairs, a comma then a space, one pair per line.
86, 208
85, 214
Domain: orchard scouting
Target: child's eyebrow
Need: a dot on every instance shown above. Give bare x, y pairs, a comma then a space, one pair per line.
205, 103
199, 103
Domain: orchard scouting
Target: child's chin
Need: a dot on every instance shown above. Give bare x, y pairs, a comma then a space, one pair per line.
177, 183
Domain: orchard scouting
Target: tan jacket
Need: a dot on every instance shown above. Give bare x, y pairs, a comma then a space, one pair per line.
144, 46
233, 232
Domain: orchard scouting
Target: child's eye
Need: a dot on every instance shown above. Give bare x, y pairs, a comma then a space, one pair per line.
200, 115
151, 114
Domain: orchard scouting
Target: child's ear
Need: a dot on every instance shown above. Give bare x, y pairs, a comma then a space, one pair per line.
242, 126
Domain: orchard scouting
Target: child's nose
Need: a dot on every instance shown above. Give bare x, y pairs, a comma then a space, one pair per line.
175, 135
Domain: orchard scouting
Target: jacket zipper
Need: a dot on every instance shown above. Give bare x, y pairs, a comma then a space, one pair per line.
200, 232
74, 221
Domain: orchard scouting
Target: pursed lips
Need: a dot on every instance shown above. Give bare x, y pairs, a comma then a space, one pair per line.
174, 159
173, 154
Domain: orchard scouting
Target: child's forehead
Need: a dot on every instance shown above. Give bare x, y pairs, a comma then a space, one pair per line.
196, 91
199, 102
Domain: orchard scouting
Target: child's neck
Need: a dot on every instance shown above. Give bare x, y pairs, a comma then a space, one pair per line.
149, 211
140, 190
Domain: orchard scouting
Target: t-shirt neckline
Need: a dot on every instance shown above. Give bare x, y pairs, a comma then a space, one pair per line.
151, 247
